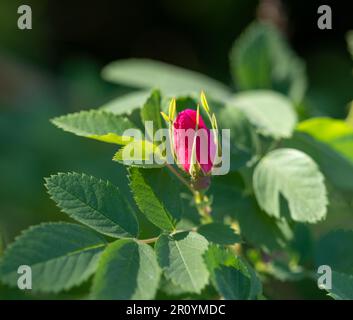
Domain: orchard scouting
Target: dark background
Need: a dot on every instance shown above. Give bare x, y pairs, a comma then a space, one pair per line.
193, 33
55, 69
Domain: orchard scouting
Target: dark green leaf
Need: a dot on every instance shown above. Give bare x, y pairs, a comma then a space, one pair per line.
342, 286
256, 226
127, 270
335, 249
93, 202
261, 59
244, 142
233, 278
61, 255
157, 195
219, 233
151, 112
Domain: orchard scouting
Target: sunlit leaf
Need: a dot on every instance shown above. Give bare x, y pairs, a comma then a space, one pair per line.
295, 176
180, 256
96, 124
270, 112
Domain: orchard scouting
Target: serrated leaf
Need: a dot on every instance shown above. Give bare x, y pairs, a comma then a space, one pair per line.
151, 112
270, 112
180, 256
295, 176
335, 249
93, 202
157, 196
342, 286
231, 283
96, 124
144, 73
127, 103
219, 233
141, 153
127, 270
232, 277
61, 255
261, 59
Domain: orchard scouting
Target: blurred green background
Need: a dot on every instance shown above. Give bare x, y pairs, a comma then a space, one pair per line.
55, 68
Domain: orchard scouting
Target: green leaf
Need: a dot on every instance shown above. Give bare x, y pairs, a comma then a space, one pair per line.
172, 290
96, 124
231, 283
261, 59
93, 202
260, 229
338, 134
233, 278
270, 112
244, 142
141, 153
342, 286
336, 167
151, 111
144, 73
336, 250
294, 175
157, 196
219, 233
256, 227
180, 256
127, 270
127, 103
61, 255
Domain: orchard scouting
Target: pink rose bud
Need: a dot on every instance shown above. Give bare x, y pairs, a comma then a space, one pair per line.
184, 141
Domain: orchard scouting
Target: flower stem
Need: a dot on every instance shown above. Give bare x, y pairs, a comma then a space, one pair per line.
151, 240
203, 207
176, 173
201, 200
